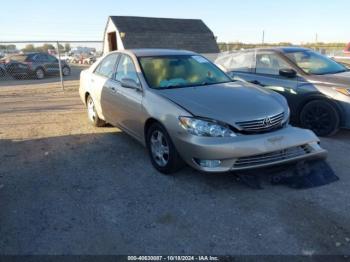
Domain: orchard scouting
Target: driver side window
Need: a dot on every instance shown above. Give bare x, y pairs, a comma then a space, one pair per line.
126, 69
270, 64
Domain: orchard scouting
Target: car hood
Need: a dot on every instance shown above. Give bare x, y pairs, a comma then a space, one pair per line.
341, 79
230, 102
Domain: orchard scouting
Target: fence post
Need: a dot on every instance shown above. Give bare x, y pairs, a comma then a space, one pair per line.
60, 64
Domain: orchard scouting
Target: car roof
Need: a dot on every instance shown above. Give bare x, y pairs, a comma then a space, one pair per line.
292, 49
282, 49
159, 52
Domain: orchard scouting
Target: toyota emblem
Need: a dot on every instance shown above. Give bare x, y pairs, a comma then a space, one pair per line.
267, 122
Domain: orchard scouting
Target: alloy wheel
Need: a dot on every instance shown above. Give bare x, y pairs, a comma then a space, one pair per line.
159, 148
91, 110
65, 71
318, 118
40, 74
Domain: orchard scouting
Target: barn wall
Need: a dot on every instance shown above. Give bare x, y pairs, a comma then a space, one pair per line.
111, 28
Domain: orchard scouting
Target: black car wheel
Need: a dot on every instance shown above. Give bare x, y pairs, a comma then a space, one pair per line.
163, 154
66, 71
39, 73
321, 117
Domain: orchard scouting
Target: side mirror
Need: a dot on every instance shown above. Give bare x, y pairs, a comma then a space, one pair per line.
289, 73
130, 83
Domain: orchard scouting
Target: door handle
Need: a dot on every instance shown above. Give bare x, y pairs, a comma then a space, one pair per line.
113, 89
256, 82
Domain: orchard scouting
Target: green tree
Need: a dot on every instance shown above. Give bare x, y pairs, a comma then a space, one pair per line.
67, 47
28, 48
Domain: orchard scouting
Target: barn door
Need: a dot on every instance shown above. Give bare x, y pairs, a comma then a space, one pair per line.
112, 41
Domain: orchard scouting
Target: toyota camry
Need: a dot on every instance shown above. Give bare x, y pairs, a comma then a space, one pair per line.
184, 109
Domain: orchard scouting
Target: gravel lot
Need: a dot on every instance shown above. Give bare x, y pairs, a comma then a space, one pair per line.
69, 188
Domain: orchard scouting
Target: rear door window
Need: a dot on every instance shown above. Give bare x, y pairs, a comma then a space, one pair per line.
270, 64
107, 66
239, 61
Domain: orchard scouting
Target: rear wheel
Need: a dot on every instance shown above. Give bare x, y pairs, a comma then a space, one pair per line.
92, 114
163, 154
321, 117
65, 71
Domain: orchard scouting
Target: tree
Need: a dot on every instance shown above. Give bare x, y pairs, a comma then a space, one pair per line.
45, 48
28, 48
67, 47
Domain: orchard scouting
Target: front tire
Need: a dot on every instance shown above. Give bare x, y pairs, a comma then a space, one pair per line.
92, 114
321, 117
163, 154
39, 73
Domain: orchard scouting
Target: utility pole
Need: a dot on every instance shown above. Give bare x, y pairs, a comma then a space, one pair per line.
316, 38
263, 37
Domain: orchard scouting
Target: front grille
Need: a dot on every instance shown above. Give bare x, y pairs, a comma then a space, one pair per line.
261, 125
275, 156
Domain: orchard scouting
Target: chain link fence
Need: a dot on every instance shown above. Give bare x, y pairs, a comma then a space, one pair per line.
43, 62
59, 63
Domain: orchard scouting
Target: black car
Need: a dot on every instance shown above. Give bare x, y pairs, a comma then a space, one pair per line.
316, 87
38, 65
2, 70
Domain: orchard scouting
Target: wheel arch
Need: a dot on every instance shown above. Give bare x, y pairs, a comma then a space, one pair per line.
147, 125
87, 94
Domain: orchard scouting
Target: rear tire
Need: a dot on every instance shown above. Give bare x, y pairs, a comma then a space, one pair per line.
65, 71
92, 114
163, 154
320, 116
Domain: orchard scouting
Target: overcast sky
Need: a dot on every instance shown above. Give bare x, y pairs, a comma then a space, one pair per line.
293, 21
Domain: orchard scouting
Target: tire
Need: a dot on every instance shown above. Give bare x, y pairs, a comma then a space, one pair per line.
39, 73
320, 116
65, 71
163, 154
92, 114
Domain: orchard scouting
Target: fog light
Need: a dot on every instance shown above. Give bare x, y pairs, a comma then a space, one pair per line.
208, 163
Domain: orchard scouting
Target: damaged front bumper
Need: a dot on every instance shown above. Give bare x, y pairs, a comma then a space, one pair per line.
245, 152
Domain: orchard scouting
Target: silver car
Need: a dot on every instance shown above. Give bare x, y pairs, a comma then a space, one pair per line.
184, 109
316, 87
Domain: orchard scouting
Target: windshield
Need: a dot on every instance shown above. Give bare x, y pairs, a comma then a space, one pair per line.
163, 72
315, 63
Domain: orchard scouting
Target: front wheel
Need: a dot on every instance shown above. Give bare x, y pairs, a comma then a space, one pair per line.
39, 73
163, 154
92, 114
321, 117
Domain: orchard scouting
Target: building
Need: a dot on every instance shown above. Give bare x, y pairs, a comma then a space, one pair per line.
128, 32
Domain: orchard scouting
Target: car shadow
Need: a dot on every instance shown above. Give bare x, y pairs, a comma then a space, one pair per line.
58, 192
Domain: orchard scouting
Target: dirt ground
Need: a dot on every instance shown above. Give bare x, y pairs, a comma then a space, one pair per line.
69, 188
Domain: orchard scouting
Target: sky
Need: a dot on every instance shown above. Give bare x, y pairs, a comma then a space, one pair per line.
295, 21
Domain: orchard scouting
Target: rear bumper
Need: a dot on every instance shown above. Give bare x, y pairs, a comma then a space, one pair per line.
243, 152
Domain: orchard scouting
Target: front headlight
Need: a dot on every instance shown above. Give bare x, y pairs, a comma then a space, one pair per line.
344, 91
200, 127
